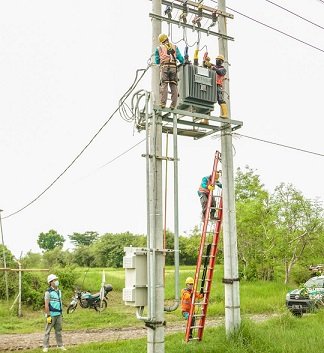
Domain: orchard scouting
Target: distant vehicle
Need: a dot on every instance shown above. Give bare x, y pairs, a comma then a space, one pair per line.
307, 298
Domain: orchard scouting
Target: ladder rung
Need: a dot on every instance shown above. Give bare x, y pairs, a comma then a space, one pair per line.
199, 303
199, 315
196, 326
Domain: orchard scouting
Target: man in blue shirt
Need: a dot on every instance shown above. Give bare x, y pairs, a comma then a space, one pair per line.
205, 188
53, 311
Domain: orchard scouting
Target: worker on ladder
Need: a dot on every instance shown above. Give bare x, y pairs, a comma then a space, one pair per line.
205, 188
186, 297
166, 55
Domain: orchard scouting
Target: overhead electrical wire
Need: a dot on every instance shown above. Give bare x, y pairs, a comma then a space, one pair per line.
124, 97
279, 144
112, 160
295, 14
274, 29
128, 92
278, 30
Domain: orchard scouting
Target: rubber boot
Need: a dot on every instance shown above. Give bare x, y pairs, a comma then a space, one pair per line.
224, 113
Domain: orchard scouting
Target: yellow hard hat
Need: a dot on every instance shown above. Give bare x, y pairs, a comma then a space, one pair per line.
189, 280
162, 37
221, 57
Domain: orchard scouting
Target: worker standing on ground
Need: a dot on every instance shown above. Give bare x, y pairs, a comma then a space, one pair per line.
166, 55
53, 311
205, 188
186, 295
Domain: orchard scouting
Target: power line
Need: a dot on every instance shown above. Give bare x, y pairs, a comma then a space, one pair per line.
280, 144
295, 14
125, 96
278, 30
122, 153
274, 29
321, 1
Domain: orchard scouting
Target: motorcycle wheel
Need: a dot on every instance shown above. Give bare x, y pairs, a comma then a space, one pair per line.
101, 307
71, 308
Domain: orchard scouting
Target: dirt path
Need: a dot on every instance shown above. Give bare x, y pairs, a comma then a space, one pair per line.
16, 342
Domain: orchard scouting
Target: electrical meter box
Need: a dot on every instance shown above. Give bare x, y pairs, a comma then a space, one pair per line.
135, 265
197, 88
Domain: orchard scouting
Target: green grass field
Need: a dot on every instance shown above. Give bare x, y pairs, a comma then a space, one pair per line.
284, 333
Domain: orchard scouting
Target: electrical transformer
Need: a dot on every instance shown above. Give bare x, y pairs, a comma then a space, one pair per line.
197, 89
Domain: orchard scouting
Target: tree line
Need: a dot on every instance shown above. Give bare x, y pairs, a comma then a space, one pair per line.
278, 234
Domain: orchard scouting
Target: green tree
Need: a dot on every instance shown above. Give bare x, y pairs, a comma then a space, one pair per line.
299, 225
32, 260
83, 239
11, 276
50, 240
109, 249
85, 256
255, 223
57, 257
189, 247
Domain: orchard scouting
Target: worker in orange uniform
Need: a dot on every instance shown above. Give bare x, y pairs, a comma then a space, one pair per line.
186, 297
205, 188
220, 76
167, 55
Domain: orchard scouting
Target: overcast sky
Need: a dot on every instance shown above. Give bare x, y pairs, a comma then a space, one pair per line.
65, 64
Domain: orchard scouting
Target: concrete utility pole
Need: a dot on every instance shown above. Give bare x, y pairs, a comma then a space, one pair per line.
231, 277
155, 328
4, 259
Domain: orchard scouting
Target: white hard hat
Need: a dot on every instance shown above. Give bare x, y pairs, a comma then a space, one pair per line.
51, 278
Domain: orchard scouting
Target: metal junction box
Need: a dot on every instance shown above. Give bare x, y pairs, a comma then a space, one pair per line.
135, 265
197, 88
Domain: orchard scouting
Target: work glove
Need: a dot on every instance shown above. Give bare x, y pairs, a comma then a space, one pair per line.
171, 51
211, 187
49, 320
208, 63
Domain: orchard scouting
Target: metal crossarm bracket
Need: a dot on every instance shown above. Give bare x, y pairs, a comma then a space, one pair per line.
193, 5
161, 18
161, 158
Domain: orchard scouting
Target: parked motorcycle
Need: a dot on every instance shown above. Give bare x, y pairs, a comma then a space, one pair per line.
88, 300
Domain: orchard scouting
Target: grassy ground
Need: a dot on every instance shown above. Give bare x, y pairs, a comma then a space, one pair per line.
256, 297
284, 334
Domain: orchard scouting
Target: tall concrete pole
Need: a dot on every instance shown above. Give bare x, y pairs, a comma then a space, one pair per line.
155, 328
4, 259
232, 290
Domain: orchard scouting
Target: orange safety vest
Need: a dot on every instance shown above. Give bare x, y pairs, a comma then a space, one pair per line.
219, 79
186, 299
166, 58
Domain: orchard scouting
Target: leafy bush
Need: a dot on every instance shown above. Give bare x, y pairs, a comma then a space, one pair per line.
35, 284
300, 275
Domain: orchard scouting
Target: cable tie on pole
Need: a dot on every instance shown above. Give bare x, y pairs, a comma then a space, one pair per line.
230, 280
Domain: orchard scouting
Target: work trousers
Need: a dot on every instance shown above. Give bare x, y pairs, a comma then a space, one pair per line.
169, 77
204, 200
220, 94
57, 324
185, 314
